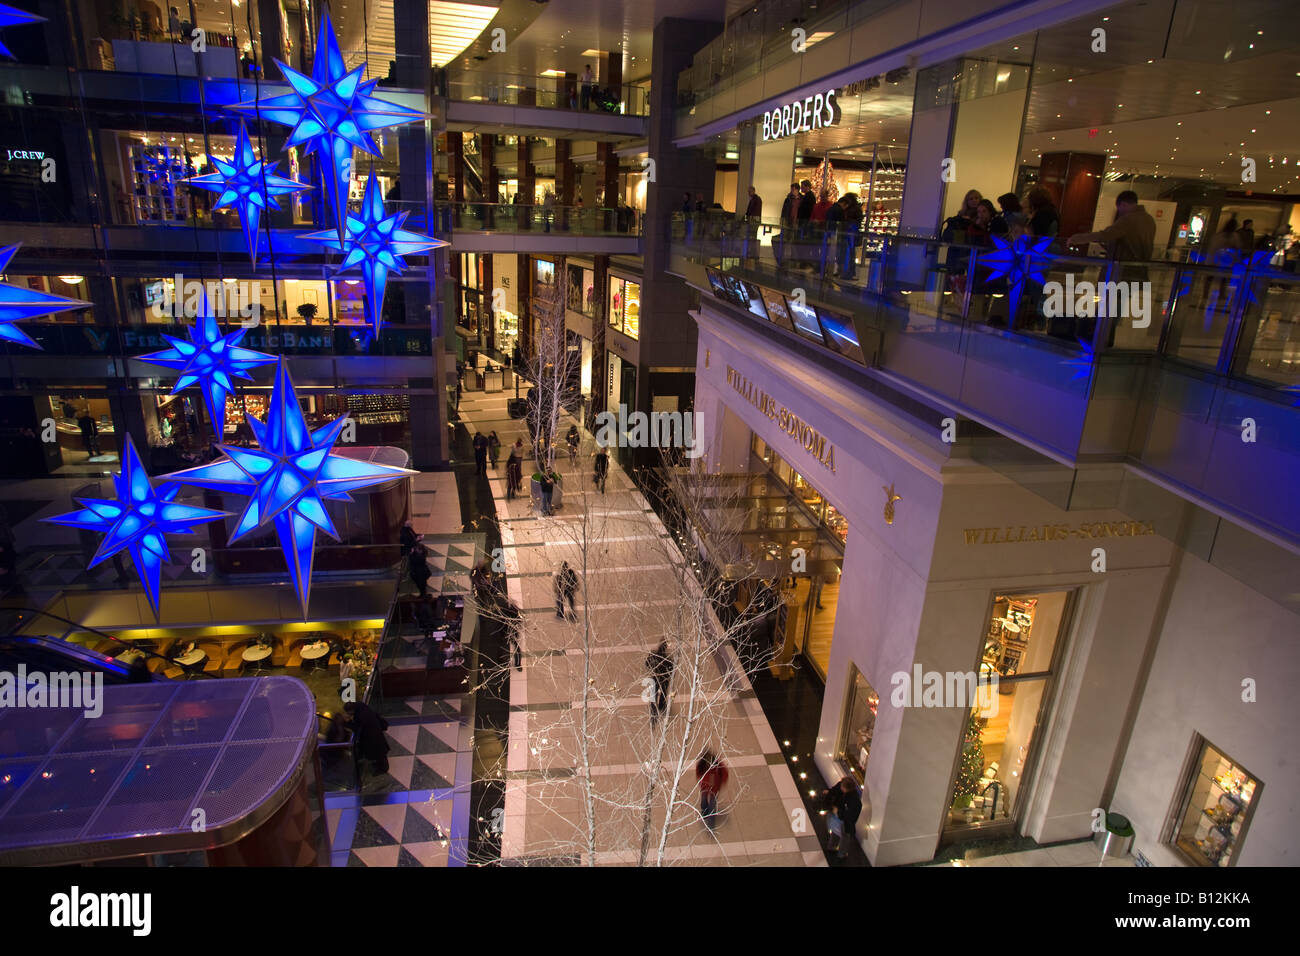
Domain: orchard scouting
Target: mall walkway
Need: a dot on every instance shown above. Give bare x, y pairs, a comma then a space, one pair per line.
631, 584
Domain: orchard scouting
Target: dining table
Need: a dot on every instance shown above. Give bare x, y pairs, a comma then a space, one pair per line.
256, 652
190, 658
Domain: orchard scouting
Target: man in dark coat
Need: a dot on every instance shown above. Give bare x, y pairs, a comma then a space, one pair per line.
369, 742
566, 586
660, 664
845, 803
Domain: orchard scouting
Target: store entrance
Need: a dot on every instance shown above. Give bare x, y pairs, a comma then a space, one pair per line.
1000, 738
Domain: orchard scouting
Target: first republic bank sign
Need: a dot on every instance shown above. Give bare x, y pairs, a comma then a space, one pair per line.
801, 116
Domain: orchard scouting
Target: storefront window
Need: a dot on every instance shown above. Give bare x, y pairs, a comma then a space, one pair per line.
1217, 806
581, 295
543, 274
625, 306
859, 725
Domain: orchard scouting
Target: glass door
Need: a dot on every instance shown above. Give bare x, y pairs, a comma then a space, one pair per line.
997, 750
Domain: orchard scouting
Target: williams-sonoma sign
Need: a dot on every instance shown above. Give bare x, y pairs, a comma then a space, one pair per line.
812, 441
1018, 534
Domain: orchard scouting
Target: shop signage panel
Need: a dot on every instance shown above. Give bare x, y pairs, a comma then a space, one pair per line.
801, 116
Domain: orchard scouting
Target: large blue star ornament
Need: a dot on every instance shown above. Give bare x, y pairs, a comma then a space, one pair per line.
288, 478
1019, 261
332, 112
247, 185
17, 303
9, 17
137, 520
211, 361
378, 244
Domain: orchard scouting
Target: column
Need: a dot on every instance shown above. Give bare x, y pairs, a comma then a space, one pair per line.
527, 176
524, 276
1074, 180
599, 323
565, 181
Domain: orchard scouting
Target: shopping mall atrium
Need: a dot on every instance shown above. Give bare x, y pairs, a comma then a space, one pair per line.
441, 434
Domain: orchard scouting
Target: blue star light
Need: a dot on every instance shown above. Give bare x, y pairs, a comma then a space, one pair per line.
247, 185
378, 244
288, 478
17, 303
1019, 261
1083, 365
11, 17
137, 520
332, 111
211, 361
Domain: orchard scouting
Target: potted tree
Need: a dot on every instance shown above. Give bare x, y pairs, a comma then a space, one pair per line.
308, 312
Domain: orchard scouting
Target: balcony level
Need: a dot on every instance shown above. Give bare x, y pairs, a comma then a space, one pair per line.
1195, 387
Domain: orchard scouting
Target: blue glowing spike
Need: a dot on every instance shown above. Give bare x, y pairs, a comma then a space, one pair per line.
288, 478
9, 16
378, 244
211, 360
17, 303
137, 521
1019, 261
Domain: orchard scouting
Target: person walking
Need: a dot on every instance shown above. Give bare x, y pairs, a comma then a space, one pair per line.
573, 440
803, 217
409, 539
844, 806
566, 586
515, 469
548, 488
480, 453
588, 81
494, 449
601, 468
419, 569
660, 664
712, 774
89, 433
368, 740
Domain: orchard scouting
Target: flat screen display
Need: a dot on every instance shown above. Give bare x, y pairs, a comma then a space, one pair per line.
776, 309
805, 320
153, 292
841, 336
753, 298
719, 287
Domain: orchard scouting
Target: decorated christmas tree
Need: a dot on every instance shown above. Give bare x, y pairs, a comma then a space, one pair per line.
972, 765
823, 181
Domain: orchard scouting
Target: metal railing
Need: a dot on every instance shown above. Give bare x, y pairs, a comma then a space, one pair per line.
540, 219
549, 92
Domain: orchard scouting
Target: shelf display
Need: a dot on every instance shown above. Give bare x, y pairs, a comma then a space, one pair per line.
156, 173
238, 406
1219, 801
1008, 636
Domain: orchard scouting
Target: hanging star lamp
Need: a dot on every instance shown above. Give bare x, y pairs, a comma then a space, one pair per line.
246, 185
137, 520
17, 303
288, 478
332, 112
9, 16
211, 361
378, 244
1019, 261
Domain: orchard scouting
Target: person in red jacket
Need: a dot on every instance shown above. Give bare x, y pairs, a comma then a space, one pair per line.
712, 774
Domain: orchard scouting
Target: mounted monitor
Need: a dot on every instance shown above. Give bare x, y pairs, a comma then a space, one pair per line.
841, 336
805, 320
776, 309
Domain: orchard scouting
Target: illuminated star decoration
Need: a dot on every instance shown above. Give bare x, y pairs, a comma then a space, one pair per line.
246, 185
378, 244
331, 111
10, 17
1243, 272
1084, 364
1019, 261
288, 478
17, 303
211, 361
157, 168
137, 520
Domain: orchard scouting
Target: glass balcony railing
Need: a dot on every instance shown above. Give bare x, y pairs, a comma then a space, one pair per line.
514, 218
1189, 369
550, 92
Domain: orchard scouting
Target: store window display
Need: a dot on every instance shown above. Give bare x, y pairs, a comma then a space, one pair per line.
1216, 811
625, 306
859, 725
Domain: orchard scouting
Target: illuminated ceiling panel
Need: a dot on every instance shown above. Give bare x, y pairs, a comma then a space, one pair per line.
454, 26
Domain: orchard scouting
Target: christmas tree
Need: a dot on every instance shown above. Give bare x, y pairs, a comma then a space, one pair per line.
972, 765
823, 181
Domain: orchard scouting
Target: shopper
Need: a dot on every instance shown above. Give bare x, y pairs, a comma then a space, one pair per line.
844, 806
807, 203
601, 468
1246, 235
1044, 220
515, 469
660, 664
753, 219
573, 440
547, 483
369, 742
588, 81
89, 433
1011, 220
480, 453
566, 586
409, 539
494, 449
1131, 237
956, 226
712, 774
419, 569
850, 225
